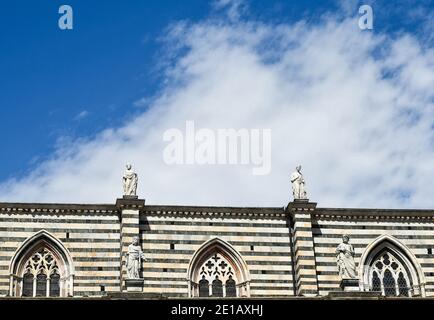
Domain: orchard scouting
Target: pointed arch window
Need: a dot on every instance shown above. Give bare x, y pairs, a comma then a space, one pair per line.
55, 284
203, 287
217, 288
217, 270
388, 267
41, 278
231, 290
41, 285
389, 275
41, 267
28, 280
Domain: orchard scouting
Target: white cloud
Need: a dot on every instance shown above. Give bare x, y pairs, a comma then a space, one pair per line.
355, 108
234, 8
81, 115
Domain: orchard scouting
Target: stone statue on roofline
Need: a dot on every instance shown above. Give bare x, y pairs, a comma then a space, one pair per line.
130, 180
298, 184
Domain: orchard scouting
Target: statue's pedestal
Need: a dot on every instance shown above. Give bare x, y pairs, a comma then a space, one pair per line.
130, 197
350, 285
350, 290
134, 285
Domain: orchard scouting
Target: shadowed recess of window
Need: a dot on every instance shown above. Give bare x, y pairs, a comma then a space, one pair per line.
28, 285
203, 288
55, 285
217, 288
231, 290
41, 285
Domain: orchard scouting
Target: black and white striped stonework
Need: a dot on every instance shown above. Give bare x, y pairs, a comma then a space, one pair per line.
282, 251
171, 235
413, 228
90, 232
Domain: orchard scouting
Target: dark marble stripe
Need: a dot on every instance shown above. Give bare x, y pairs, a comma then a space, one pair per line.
97, 268
373, 236
271, 272
275, 288
50, 220
146, 223
79, 277
64, 240
234, 243
360, 226
216, 233
59, 230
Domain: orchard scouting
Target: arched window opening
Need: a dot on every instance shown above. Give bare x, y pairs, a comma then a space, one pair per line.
203, 287
46, 282
28, 284
390, 268
55, 285
376, 282
231, 290
217, 288
41, 285
389, 275
217, 270
41, 267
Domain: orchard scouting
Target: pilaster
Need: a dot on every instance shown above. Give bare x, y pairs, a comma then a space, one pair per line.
303, 247
129, 207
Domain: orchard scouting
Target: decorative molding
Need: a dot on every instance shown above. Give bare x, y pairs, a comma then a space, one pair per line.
373, 214
53, 208
130, 202
215, 212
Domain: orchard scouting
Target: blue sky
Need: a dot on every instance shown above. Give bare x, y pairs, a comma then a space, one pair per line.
59, 86
50, 77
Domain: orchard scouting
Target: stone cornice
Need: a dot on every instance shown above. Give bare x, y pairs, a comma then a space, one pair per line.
215, 212
130, 203
56, 208
300, 205
191, 211
373, 214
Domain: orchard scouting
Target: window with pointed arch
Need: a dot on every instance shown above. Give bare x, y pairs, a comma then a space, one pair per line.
41, 275
389, 275
41, 267
217, 278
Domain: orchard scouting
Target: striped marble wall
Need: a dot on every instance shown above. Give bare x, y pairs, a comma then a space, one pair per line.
413, 228
171, 235
90, 233
97, 237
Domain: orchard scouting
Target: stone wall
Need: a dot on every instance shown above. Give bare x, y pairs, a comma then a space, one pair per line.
287, 251
412, 228
171, 235
90, 234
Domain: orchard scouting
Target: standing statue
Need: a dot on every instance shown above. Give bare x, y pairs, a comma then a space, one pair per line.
298, 184
130, 180
345, 259
134, 259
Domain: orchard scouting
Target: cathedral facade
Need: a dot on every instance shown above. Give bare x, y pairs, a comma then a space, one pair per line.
79, 250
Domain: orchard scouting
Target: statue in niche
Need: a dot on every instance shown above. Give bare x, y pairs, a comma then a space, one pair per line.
298, 184
134, 259
130, 180
345, 259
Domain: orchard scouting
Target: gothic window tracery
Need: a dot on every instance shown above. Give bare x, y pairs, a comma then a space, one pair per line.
41, 275
218, 270
41, 267
389, 275
214, 273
